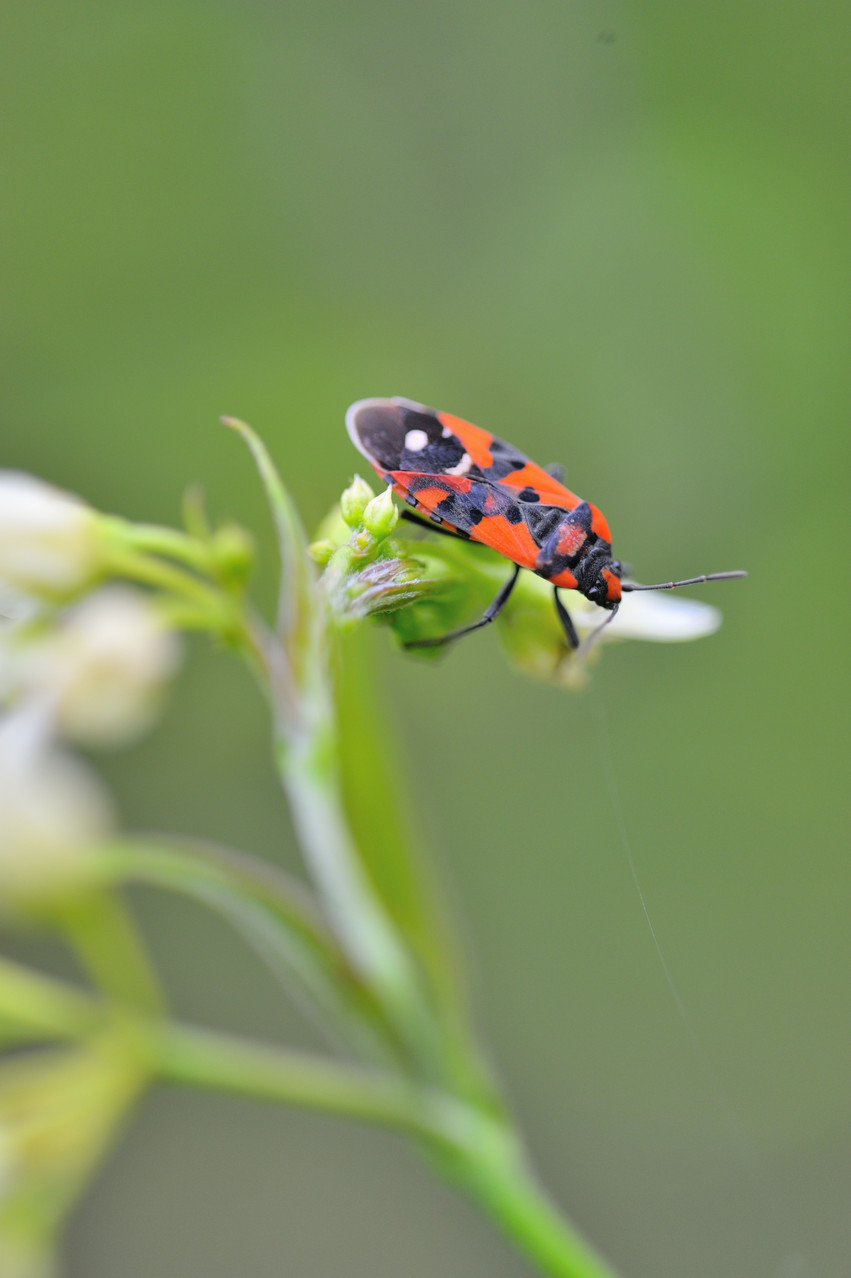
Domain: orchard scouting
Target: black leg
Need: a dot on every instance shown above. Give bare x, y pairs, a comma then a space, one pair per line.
566, 624
493, 610
428, 526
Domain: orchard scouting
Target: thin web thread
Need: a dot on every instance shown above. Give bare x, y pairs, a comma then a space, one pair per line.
795, 1264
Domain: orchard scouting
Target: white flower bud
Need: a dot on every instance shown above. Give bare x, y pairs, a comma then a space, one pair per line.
53, 810
102, 671
49, 541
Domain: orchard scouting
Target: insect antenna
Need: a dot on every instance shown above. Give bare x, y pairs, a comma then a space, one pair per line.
687, 581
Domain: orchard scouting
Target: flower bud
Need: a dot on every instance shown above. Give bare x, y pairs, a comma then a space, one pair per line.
102, 671
53, 810
233, 552
382, 586
354, 500
381, 516
321, 551
49, 539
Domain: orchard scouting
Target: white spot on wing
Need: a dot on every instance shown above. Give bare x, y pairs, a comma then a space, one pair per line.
463, 466
415, 441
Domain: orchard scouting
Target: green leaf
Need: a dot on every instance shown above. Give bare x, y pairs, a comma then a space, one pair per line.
296, 600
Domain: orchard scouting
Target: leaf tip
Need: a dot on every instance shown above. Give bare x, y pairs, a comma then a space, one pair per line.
234, 423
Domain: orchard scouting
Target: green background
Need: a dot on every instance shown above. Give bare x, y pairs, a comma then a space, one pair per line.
618, 236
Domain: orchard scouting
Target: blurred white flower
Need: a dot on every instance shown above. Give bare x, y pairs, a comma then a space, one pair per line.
15, 607
49, 539
102, 669
53, 809
660, 617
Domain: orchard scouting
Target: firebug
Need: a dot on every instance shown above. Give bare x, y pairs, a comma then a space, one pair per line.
470, 484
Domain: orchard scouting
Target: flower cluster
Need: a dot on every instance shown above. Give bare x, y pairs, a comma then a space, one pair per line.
367, 572
81, 663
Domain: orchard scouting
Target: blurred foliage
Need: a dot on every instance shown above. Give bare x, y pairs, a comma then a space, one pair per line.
619, 238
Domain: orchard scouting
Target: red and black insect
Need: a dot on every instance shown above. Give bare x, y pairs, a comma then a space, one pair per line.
472, 485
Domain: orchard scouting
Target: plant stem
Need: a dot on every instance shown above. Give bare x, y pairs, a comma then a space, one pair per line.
511, 1196
156, 539
104, 938
473, 1151
224, 615
308, 768
43, 1005
202, 1058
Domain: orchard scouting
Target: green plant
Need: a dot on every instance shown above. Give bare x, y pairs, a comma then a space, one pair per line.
83, 660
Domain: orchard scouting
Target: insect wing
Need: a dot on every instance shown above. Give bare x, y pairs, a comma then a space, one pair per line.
458, 474
472, 508
502, 463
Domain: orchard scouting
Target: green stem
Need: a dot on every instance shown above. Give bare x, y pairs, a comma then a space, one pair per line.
308, 769
43, 1005
202, 1058
167, 576
154, 539
515, 1202
473, 1150
104, 938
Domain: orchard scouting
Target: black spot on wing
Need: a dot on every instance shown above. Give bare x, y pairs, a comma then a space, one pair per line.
463, 510
529, 494
456, 509
506, 459
504, 466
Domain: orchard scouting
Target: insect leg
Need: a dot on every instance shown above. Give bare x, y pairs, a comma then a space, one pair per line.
492, 610
428, 526
566, 624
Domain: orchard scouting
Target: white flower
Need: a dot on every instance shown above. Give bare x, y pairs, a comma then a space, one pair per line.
662, 618
102, 669
53, 810
49, 540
